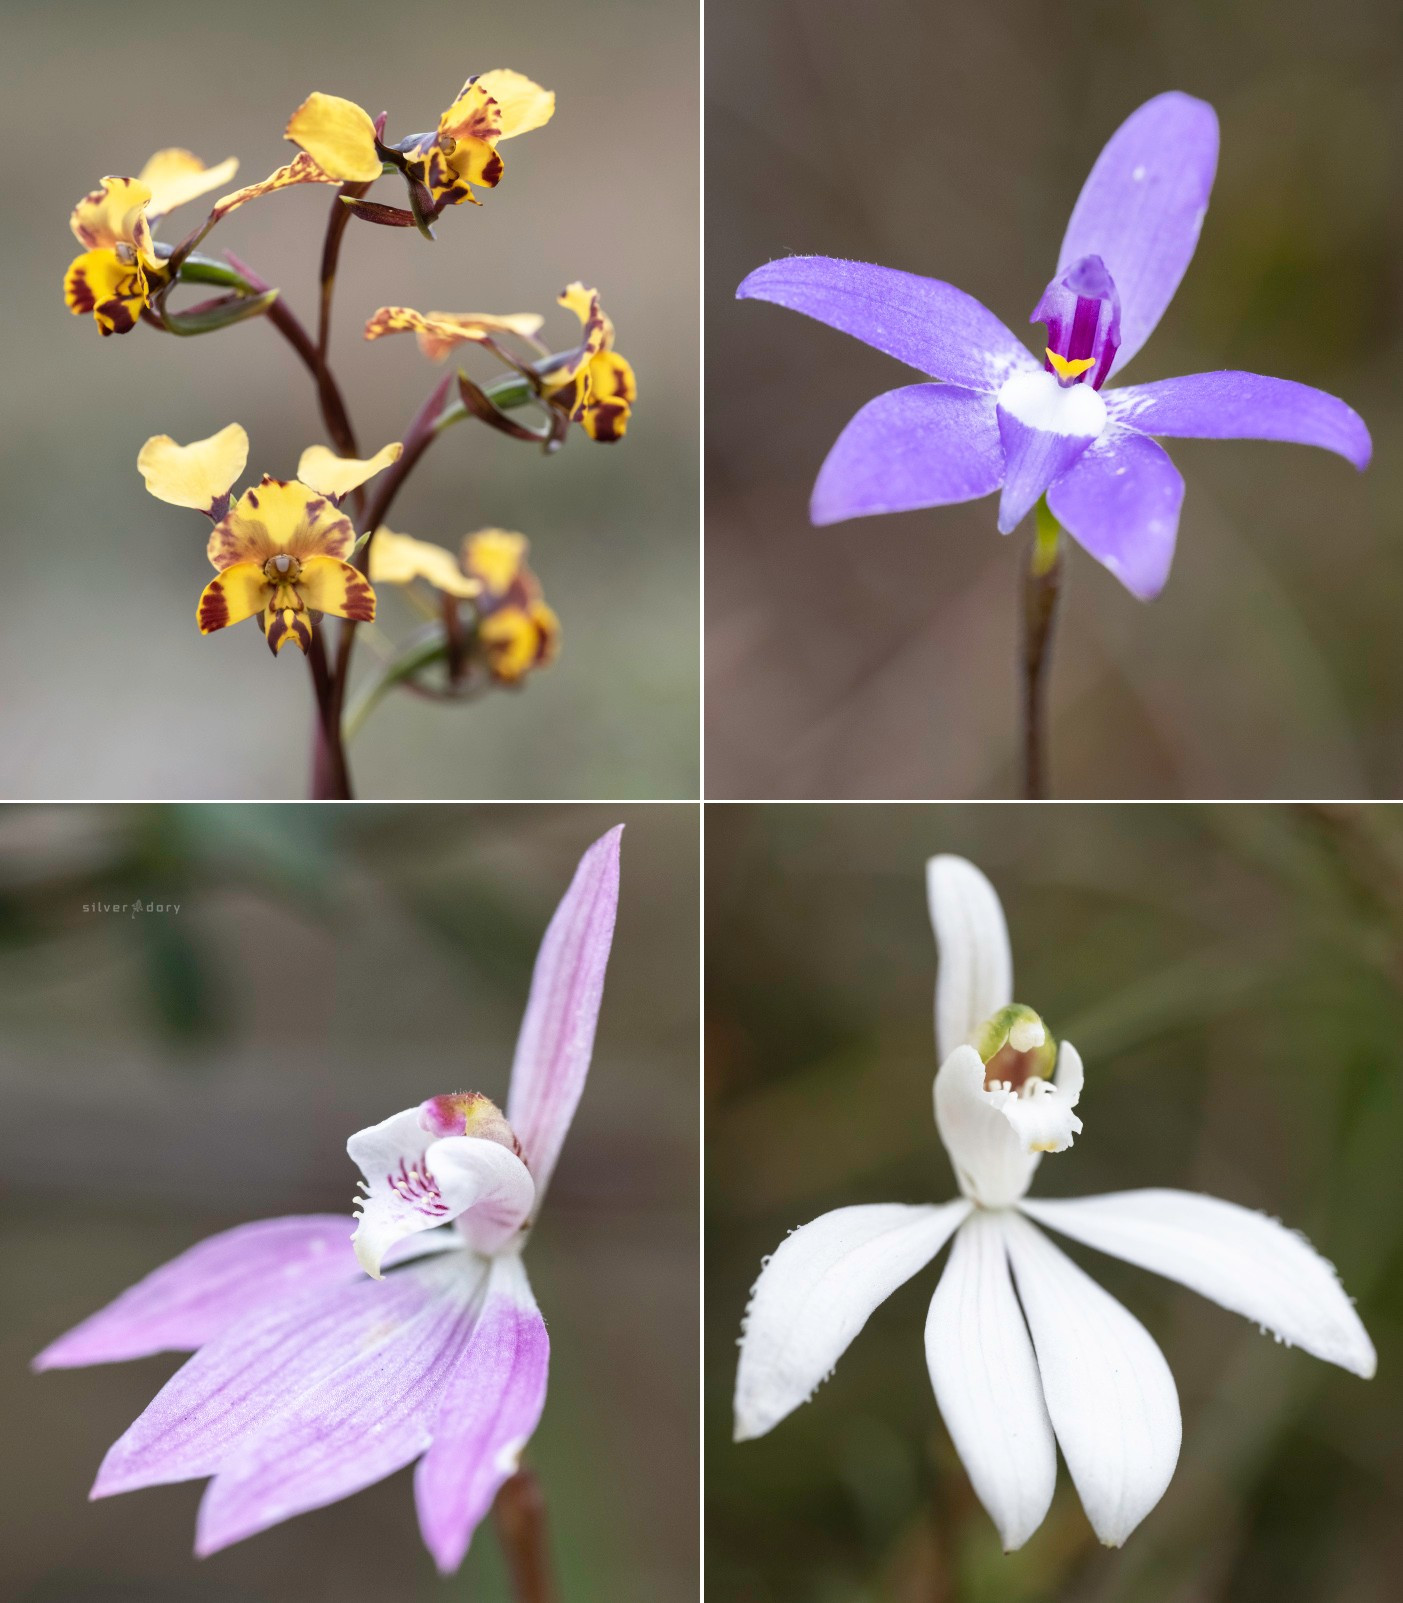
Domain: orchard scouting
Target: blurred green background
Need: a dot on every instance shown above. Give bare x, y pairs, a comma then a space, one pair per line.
1233, 977
166, 1076
877, 658
113, 694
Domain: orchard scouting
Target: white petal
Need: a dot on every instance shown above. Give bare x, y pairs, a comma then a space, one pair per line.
414, 1182
975, 976
986, 1382
1042, 1114
1108, 1388
817, 1292
1243, 1260
993, 1167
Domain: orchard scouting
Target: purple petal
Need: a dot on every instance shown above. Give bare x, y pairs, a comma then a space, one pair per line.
236, 1387
489, 1410
1121, 502
1045, 427
926, 446
196, 1296
1243, 406
361, 1420
932, 326
557, 1031
1142, 207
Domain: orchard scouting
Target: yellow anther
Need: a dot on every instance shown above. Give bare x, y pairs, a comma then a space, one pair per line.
1065, 369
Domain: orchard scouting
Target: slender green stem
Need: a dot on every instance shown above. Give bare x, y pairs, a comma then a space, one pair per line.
519, 1514
1042, 584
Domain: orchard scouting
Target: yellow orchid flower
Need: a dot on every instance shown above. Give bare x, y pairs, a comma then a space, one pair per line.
280, 550
339, 137
114, 278
596, 387
516, 630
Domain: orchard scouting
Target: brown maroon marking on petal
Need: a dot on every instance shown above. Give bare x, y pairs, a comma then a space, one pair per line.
119, 316
313, 507
360, 600
214, 608
252, 498
82, 292
492, 172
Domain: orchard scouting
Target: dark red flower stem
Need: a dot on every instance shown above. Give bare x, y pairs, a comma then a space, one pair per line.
519, 1514
418, 437
330, 780
331, 253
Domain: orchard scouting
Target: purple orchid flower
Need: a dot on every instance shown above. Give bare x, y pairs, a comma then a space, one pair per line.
998, 420
312, 1379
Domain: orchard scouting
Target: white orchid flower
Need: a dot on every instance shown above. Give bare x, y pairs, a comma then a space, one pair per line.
1057, 1360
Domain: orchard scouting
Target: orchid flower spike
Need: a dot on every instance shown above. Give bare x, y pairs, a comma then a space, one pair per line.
1003, 419
1061, 1362
319, 1369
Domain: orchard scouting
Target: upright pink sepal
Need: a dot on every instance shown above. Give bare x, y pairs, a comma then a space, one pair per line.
557, 1032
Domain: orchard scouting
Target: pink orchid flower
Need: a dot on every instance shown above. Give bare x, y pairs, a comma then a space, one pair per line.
323, 1363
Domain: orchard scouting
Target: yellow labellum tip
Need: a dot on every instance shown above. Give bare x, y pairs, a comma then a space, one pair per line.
1065, 369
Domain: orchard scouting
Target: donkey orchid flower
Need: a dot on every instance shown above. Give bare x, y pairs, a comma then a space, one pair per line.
312, 1379
1001, 419
1070, 1366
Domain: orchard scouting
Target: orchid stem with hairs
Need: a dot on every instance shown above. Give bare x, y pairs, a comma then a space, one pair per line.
1025, 1352
1042, 585
325, 1360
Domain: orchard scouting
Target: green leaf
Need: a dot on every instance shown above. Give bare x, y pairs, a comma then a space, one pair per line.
211, 316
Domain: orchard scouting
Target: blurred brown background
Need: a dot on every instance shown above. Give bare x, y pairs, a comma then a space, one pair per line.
166, 1076
111, 691
1233, 978
877, 658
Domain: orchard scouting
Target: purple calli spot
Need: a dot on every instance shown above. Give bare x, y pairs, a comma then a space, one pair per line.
1082, 312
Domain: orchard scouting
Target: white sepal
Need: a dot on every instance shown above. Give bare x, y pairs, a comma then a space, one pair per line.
1242, 1260
1109, 1392
817, 1292
986, 1382
992, 1165
975, 974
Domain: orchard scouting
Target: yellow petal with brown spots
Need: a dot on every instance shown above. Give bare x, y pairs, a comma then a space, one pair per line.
400, 559
233, 595
327, 585
524, 105
176, 176
287, 626
300, 170
597, 332
110, 214
548, 629
608, 400
114, 291
513, 643
338, 135
497, 557
280, 515
439, 332
193, 475
330, 474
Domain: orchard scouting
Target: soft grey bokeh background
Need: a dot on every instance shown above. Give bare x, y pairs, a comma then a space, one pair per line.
1233, 977
111, 692
877, 658
165, 1076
